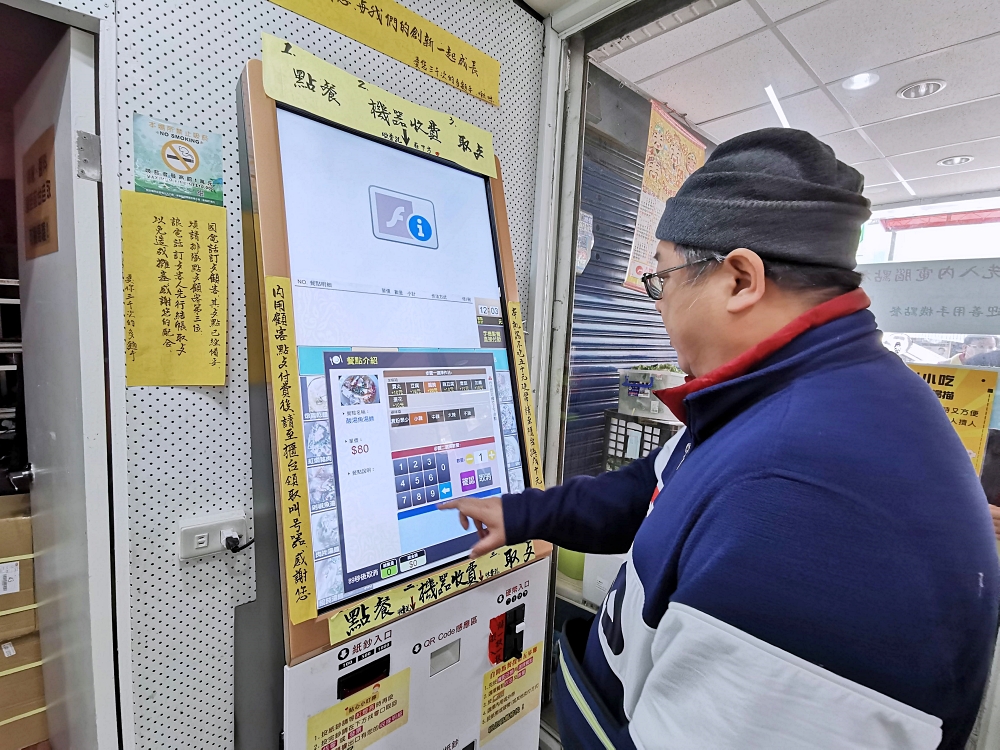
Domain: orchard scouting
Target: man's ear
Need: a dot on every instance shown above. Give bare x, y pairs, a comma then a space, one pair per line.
746, 270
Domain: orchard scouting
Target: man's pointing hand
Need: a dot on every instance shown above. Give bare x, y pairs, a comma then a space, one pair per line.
487, 515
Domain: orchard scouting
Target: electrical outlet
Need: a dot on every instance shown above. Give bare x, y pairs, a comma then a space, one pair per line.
206, 535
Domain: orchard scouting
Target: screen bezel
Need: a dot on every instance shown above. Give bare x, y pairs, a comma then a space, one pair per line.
501, 284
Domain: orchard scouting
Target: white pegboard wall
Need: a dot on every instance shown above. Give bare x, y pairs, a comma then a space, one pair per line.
189, 448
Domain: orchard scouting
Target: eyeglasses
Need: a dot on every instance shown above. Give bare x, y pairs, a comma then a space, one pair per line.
654, 281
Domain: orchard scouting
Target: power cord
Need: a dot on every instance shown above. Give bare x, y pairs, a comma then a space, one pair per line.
233, 544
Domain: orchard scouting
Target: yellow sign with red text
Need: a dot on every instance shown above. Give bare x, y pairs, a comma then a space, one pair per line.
966, 394
511, 691
363, 718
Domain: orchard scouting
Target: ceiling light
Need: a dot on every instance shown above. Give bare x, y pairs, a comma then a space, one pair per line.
860, 81
777, 106
920, 89
954, 161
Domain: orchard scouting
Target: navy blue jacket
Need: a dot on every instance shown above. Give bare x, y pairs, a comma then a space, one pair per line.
821, 503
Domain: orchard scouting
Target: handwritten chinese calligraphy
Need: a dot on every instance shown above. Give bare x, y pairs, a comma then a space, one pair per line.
300, 585
360, 617
176, 290
296, 77
398, 32
524, 394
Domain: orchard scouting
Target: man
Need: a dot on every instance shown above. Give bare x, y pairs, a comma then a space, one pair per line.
972, 347
811, 562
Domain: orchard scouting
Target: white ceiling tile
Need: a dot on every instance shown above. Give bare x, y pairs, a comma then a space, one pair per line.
963, 67
778, 9
730, 79
743, 122
850, 147
684, 42
844, 37
885, 194
979, 181
813, 111
924, 163
876, 172
966, 122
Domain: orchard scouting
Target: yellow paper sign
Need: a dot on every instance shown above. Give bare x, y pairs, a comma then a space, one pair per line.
967, 397
300, 582
365, 717
375, 611
398, 32
174, 267
535, 476
510, 691
302, 80
38, 166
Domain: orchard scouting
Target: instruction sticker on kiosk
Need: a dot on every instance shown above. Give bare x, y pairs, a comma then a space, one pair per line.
511, 691
363, 718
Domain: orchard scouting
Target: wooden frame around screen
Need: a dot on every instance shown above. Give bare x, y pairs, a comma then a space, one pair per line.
268, 255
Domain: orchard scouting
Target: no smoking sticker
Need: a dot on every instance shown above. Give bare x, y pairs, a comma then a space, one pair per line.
177, 161
180, 157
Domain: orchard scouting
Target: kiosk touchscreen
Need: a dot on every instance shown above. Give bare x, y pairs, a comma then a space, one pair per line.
403, 362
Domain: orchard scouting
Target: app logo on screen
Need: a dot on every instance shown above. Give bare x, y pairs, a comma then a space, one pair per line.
398, 217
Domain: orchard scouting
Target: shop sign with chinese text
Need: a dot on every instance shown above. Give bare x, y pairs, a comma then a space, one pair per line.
939, 296
966, 394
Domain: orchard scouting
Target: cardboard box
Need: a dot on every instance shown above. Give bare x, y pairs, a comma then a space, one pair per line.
15, 536
15, 541
22, 692
12, 506
20, 623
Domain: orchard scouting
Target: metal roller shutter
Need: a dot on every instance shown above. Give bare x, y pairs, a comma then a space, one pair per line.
613, 327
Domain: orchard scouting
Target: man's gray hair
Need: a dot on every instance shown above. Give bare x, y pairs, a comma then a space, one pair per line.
795, 277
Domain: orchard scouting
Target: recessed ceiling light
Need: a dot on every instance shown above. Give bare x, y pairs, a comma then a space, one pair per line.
860, 81
954, 161
920, 89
